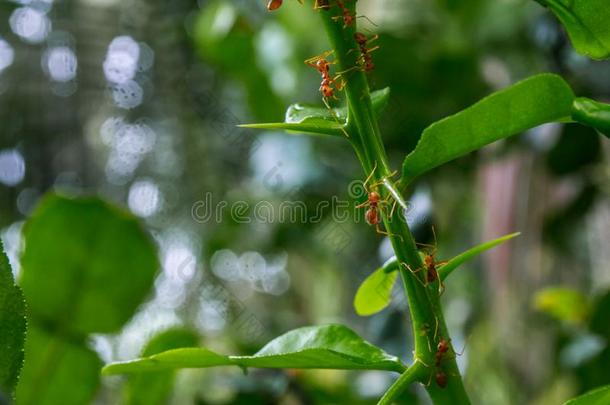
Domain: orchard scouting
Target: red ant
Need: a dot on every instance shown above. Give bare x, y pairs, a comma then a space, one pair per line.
431, 267
442, 348
348, 18
346, 15
365, 53
322, 65
440, 377
373, 203
275, 4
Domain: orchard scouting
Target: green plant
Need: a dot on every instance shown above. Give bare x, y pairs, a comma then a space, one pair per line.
534, 101
86, 268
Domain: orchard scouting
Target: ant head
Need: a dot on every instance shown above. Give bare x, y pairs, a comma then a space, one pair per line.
443, 346
360, 38
374, 197
428, 260
369, 66
323, 65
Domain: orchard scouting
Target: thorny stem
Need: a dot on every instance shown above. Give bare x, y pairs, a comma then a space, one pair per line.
428, 323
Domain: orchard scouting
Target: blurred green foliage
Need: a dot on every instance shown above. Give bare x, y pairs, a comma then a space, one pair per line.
86, 267
12, 327
563, 303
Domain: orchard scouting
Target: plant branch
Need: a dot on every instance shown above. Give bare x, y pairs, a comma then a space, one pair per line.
424, 304
411, 375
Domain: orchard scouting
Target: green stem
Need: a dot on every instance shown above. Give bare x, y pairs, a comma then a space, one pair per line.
428, 323
412, 374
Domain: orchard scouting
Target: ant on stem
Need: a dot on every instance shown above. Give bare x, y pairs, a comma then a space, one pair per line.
346, 15
322, 65
431, 267
366, 60
374, 202
442, 348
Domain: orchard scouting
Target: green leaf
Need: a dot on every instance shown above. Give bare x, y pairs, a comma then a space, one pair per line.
562, 303
593, 114
527, 104
310, 119
587, 24
12, 327
155, 388
87, 265
57, 371
460, 259
324, 347
375, 292
598, 396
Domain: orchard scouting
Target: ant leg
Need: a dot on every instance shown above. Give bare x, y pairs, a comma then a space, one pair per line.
364, 204
461, 352
441, 287
338, 84
312, 61
426, 245
382, 232
343, 72
414, 272
393, 207
368, 19
334, 115
373, 49
371, 174
384, 178
383, 206
417, 359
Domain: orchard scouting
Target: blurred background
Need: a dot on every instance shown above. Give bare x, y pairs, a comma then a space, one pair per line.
138, 101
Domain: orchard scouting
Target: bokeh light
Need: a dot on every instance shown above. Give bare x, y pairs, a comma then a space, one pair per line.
7, 55
30, 24
144, 198
12, 167
60, 63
